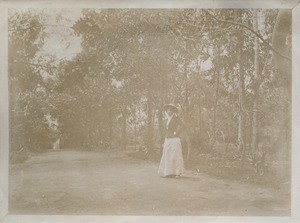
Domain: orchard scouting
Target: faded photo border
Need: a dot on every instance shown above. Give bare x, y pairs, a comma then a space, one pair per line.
294, 5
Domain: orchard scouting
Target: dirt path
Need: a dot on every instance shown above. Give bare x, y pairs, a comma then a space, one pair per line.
112, 183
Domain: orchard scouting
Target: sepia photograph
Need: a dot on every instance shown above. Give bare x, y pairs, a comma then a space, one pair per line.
149, 111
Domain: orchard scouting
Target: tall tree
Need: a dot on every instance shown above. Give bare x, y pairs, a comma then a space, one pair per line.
256, 80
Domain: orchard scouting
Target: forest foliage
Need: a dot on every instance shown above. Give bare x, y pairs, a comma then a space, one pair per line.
212, 64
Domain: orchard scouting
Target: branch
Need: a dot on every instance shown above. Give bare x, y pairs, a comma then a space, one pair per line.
178, 88
37, 26
17, 30
34, 64
251, 30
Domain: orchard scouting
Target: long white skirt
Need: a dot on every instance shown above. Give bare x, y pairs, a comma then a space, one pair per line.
172, 160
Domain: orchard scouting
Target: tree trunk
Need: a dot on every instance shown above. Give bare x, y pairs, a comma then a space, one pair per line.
135, 124
282, 42
200, 123
161, 123
214, 128
254, 143
241, 117
250, 130
110, 128
241, 112
150, 124
124, 127
228, 138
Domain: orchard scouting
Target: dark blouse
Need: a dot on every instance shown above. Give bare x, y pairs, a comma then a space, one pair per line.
174, 127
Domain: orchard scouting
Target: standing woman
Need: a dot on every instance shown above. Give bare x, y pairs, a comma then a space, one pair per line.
171, 164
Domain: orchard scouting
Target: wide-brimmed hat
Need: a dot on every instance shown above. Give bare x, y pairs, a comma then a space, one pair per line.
171, 107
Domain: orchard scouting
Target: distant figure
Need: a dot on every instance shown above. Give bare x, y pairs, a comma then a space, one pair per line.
56, 144
171, 164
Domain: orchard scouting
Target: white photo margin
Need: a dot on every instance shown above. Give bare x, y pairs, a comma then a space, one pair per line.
294, 5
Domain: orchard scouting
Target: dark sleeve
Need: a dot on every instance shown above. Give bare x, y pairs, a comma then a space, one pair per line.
180, 126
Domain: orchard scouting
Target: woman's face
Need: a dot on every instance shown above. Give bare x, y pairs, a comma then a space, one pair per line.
169, 112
